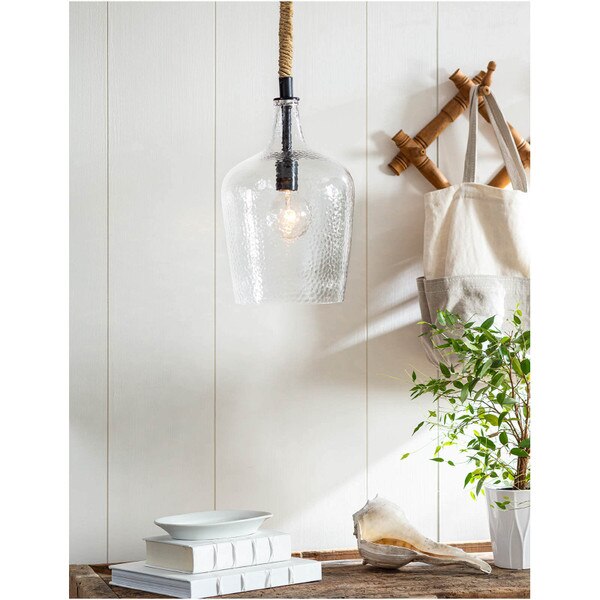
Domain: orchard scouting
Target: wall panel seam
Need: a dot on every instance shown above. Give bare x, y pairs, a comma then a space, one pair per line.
437, 160
215, 204
367, 249
107, 281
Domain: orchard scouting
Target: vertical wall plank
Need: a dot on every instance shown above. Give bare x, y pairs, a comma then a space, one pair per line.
88, 232
402, 95
469, 36
291, 379
161, 139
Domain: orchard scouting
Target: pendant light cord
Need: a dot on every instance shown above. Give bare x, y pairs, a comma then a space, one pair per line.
286, 38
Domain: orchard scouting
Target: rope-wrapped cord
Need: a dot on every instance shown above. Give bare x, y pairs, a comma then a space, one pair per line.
286, 35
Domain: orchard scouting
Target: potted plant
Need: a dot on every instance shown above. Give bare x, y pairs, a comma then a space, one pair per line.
482, 395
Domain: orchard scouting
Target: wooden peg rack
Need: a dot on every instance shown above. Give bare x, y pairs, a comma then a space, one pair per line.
413, 150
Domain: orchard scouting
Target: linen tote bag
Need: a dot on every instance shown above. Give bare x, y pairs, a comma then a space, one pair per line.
475, 255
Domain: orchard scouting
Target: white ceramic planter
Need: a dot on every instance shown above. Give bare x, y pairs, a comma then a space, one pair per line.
509, 527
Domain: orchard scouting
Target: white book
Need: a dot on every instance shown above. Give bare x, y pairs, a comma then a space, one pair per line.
139, 576
204, 556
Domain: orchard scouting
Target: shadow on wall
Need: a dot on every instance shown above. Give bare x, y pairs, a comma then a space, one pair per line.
395, 261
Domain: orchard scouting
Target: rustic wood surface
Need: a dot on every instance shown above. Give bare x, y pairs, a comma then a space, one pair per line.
327, 555
347, 579
86, 582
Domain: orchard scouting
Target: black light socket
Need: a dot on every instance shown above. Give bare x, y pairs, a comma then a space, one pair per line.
286, 175
286, 88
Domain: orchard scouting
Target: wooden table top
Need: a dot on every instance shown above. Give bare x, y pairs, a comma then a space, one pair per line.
347, 579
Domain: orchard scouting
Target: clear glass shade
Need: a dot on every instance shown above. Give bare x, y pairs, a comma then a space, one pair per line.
284, 245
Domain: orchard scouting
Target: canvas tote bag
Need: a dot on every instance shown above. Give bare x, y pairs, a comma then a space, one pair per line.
475, 255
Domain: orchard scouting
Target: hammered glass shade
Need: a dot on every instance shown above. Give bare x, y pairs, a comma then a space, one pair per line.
288, 246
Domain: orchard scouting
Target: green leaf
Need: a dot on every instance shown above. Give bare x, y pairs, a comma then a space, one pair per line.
450, 463
437, 459
525, 366
464, 393
524, 443
491, 419
405, 456
516, 365
501, 418
470, 345
418, 427
444, 369
479, 486
485, 367
414, 376
467, 479
496, 379
484, 441
503, 437
519, 452
488, 323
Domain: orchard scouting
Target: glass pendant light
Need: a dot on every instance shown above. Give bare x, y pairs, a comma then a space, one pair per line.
288, 210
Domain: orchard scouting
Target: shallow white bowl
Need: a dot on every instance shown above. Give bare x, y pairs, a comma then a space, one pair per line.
213, 524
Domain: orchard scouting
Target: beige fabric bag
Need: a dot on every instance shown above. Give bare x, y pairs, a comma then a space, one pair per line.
476, 256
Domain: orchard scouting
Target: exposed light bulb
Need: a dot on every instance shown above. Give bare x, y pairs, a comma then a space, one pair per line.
290, 215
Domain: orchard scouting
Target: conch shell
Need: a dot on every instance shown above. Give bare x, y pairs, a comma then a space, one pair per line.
386, 539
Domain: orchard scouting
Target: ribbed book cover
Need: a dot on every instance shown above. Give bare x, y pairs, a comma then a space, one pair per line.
204, 556
139, 576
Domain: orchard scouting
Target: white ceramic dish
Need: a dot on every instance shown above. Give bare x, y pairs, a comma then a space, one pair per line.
213, 524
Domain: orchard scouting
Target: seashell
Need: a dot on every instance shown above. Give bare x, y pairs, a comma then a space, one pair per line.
386, 539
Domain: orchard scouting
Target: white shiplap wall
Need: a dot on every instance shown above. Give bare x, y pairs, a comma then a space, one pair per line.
181, 400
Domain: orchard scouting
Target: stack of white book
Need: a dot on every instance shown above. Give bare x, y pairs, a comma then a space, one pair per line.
205, 568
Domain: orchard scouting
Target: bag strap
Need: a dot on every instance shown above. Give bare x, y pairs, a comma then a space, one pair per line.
508, 148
